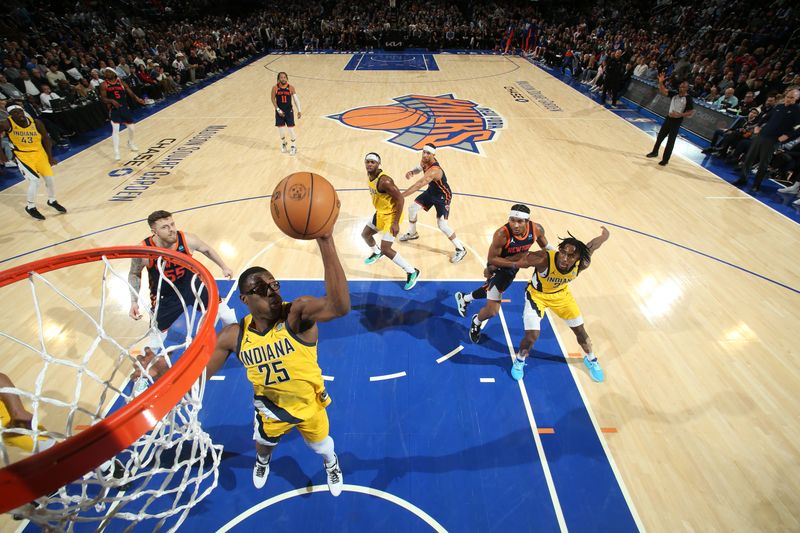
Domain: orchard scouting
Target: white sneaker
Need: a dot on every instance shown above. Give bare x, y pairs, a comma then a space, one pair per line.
293, 150
791, 189
283, 148
459, 255
408, 236
133, 147
335, 477
796, 202
116, 156
260, 473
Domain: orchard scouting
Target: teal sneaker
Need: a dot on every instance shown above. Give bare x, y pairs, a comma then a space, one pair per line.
518, 369
594, 369
411, 280
371, 259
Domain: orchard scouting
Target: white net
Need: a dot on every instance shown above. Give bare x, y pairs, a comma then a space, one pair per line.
70, 360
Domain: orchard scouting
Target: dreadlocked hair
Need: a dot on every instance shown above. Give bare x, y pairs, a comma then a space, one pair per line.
584, 253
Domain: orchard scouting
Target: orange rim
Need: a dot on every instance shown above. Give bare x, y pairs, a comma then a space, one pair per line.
40, 474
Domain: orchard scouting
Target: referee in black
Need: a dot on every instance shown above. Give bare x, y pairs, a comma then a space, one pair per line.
680, 106
782, 123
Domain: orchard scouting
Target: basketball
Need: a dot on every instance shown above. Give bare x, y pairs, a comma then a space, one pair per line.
384, 117
304, 205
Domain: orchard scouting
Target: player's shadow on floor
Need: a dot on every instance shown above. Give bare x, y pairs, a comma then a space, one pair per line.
489, 456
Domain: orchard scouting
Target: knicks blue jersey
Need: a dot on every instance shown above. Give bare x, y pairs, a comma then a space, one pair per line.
440, 187
169, 306
283, 97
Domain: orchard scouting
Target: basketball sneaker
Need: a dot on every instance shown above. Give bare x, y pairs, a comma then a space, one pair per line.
57, 206
260, 473
475, 330
335, 477
371, 259
518, 369
594, 369
116, 155
408, 236
411, 280
293, 150
32, 211
461, 305
459, 255
132, 147
283, 148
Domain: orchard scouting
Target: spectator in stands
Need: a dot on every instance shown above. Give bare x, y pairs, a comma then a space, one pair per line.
730, 138
27, 85
54, 75
713, 95
782, 123
149, 85
46, 97
95, 80
8, 89
727, 100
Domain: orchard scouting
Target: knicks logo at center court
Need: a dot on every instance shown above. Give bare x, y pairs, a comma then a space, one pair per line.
416, 120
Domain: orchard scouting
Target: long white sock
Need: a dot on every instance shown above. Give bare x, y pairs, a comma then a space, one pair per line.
282, 133
115, 136
33, 188
591, 356
458, 243
468, 297
131, 130
324, 448
51, 188
412, 227
292, 135
402, 263
376, 249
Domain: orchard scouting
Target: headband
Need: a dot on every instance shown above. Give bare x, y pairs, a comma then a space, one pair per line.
519, 214
13, 107
372, 156
430, 149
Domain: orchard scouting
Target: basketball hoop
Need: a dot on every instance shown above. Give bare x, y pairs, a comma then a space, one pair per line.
69, 482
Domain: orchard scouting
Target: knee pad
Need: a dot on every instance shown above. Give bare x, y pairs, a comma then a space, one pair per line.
442, 223
413, 209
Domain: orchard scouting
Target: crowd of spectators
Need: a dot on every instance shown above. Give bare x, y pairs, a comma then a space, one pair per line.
734, 54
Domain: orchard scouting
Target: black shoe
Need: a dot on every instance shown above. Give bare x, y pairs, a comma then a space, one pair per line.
32, 211
474, 330
652, 154
740, 182
663, 163
57, 206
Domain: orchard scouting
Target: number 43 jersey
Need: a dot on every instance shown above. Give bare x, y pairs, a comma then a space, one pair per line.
287, 381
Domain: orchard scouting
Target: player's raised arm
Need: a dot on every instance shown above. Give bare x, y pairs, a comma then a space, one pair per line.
431, 174
535, 259
226, 344
593, 245
197, 244
308, 310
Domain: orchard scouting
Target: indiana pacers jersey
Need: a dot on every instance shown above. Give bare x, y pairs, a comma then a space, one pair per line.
553, 280
383, 202
287, 381
26, 140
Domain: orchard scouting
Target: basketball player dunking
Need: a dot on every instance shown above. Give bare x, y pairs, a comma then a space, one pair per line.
510, 243
277, 344
437, 195
170, 304
284, 100
549, 289
388, 202
114, 93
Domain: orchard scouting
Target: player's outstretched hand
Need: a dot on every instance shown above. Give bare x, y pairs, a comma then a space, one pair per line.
604, 232
409, 174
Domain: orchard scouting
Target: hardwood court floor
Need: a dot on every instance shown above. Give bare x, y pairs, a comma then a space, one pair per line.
692, 304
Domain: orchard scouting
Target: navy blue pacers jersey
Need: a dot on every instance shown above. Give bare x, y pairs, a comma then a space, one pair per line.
283, 97
169, 307
440, 187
